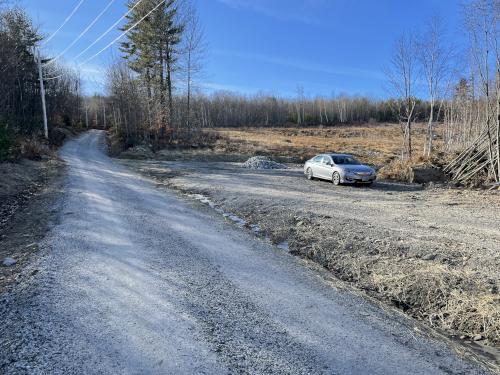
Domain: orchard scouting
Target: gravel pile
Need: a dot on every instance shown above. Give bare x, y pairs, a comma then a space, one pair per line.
262, 162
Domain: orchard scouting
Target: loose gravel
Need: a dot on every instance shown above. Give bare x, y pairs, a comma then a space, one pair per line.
262, 162
134, 280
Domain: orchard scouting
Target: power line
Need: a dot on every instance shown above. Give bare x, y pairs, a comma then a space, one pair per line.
82, 33
123, 34
65, 22
108, 30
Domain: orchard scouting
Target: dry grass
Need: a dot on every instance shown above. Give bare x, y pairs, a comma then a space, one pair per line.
443, 292
451, 299
34, 148
375, 144
398, 170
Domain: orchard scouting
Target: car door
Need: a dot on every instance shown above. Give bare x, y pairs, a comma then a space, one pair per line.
327, 167
316, 164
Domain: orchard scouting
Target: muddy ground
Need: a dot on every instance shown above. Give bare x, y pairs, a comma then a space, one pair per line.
433, 252
29, 192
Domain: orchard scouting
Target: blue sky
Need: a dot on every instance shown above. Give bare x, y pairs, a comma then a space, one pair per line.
271, 46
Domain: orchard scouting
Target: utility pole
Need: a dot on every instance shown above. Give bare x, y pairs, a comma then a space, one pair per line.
86, 114
42, 93
103, 105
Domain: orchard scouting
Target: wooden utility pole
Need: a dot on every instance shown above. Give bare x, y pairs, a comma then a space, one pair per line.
42, 93
86, 114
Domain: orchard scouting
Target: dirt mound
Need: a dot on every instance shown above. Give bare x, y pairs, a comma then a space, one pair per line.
262, 162
425, 174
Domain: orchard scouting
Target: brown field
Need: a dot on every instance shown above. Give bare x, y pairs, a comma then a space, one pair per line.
376, 144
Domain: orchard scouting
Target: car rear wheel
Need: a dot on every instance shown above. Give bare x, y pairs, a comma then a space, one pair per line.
336, 178
309, 174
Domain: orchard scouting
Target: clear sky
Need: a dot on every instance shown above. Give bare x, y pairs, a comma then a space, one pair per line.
270, 46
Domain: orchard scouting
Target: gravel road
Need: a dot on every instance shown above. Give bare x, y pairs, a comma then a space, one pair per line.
135, 280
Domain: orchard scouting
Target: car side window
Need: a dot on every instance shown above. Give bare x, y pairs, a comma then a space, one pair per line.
327, 160
318, 159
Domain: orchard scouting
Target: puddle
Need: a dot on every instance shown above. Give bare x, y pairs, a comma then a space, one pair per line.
202, 199
283, 246
255, 228
234, 218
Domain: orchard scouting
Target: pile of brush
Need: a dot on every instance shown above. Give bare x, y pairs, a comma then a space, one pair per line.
480, 162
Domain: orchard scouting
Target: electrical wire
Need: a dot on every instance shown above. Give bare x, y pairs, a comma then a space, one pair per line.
108, 30
123, 34
65, 22
82, 33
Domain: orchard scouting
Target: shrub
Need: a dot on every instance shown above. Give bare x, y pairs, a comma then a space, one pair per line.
398, 170
33, 148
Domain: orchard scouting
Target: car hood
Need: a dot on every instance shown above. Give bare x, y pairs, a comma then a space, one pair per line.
357, 168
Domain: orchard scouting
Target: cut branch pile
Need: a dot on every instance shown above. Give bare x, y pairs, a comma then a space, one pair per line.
481, 158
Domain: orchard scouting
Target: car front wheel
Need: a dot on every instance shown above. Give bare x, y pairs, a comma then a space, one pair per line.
309, 174
336, 178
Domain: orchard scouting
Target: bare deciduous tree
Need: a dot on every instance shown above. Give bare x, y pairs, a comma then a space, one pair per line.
402, 76
434, 59
193, 54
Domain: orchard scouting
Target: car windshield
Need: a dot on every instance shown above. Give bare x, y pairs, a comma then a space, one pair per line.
344, 159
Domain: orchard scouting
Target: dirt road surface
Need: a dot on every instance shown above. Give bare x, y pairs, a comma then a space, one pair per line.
134, 280
431, 252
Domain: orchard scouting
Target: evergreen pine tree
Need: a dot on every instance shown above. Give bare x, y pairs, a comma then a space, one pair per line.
151, 50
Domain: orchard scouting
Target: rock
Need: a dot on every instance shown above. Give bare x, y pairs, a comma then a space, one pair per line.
9, 262
262, 162
478, 337
429, 256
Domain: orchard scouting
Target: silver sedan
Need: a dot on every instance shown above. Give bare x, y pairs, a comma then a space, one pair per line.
339, 168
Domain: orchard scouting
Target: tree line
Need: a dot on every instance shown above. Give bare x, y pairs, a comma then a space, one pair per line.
227, 109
